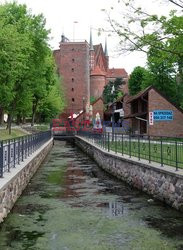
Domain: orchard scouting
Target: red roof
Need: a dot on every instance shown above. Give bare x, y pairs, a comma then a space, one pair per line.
97, 49
97, 72
114, 73
100, 98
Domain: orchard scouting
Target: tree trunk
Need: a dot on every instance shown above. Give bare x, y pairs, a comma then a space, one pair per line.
34, 108
18, 119
23, 120
1, 116
9, 123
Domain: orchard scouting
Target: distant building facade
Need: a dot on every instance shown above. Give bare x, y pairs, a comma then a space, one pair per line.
151, 113
85, 71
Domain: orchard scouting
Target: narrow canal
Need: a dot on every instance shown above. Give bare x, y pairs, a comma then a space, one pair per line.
72, 204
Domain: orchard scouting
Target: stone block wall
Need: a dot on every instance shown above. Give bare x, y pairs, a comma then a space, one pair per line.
12, 190
157, 181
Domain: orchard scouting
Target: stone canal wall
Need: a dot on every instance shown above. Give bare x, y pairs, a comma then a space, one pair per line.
163, 183
13, 183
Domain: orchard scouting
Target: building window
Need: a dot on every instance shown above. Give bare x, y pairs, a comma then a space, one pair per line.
73, 60
72, 49
72, 79
72, 89
72, 69
72, 99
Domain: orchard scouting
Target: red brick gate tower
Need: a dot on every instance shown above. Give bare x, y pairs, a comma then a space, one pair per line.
85, 71
72, 60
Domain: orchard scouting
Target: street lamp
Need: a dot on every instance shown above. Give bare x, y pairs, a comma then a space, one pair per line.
83, 108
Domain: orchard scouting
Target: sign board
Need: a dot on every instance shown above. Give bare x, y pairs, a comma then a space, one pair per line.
163, 115
151, 118
120, 111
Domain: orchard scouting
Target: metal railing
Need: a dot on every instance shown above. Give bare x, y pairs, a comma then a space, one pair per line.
14, 151
164, 150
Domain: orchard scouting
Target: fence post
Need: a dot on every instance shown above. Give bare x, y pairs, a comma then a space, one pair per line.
22, 148
108, 141
139, 147
1, 160
25, 147
149, 139
122, 144
14, 151
176, 156
9, 155
33, 143
105, 140
28, 145
19, 151
130, 145
115, 143
161, 152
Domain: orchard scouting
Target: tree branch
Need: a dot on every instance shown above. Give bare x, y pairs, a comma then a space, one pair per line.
174, 2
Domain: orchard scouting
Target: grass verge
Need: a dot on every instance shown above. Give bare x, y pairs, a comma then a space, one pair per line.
4, 135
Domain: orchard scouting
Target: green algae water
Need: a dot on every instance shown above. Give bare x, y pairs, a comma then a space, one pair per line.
72, 204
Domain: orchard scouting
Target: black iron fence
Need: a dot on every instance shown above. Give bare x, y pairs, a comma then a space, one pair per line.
14, 151
164, 150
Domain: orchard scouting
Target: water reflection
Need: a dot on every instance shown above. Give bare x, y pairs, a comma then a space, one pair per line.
112, 208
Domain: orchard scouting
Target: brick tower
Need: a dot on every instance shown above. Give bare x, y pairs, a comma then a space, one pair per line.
85, 71
73, 62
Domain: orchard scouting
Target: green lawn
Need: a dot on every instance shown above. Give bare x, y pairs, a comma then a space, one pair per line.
14, 133
42, 127
152, 151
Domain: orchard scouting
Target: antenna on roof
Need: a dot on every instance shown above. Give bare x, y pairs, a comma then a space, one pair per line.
91, 40
106, 51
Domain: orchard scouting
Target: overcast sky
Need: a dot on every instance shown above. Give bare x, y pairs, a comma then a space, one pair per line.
61, 15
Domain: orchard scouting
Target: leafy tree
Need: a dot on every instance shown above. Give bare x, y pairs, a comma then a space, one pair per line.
53, 103
160, 37
92, 99
120, 94
137, 80
14, 56
110, 96
27, 68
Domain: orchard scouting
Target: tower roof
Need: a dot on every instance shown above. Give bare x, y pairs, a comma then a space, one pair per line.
106, 51
97, 72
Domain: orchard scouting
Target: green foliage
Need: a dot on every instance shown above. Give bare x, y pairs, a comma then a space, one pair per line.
27, 67
137, 80
160, 37
92, 99
53, 104
107, 93
120, 94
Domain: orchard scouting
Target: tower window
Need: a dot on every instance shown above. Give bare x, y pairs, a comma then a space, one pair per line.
72, 89
73, 60
72, 49
72, 79
72, 69
72, 99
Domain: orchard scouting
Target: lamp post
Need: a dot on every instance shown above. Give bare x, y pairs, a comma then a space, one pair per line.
83, 109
